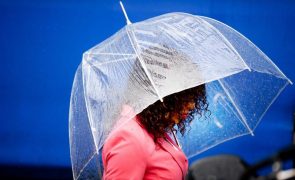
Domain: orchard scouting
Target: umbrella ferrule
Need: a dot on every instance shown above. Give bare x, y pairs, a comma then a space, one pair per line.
125, 14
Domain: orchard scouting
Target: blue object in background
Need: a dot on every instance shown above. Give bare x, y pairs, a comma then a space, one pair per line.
42, 44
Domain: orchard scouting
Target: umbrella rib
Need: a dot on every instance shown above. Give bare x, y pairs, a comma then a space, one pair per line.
213, 145
239, 112
135, 47
258, 50
114, 61
273, 100
87, 108
114, 54
82, 169
117, 60
90, 117
227, 43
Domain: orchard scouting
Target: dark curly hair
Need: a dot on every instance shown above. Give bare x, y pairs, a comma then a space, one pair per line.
154, 117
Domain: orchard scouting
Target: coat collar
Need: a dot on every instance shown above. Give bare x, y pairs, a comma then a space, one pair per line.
176, 153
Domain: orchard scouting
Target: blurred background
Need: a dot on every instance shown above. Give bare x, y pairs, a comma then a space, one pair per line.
42, 42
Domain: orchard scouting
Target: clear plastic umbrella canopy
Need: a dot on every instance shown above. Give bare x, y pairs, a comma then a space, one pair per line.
148, 60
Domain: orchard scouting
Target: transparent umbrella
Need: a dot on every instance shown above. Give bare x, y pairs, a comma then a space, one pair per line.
148, 60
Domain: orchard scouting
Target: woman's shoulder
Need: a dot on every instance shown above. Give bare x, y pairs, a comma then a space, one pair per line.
131, 133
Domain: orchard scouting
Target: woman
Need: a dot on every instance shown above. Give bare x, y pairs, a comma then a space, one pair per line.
146, 147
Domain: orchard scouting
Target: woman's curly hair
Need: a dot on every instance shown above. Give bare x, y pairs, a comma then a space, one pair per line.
154, 117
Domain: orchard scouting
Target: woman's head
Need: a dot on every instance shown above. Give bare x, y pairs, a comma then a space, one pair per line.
176, 109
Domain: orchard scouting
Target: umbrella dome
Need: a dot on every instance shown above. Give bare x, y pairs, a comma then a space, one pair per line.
148, 60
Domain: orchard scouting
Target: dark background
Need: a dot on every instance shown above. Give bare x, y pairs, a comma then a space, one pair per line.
42, 42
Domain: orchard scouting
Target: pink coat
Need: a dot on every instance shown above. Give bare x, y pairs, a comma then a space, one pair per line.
130, 153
